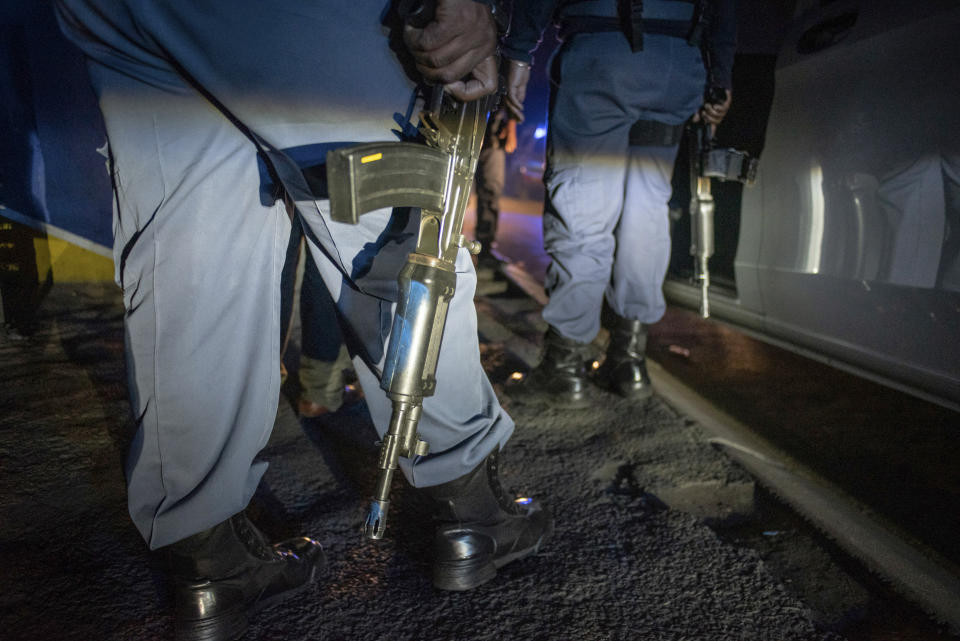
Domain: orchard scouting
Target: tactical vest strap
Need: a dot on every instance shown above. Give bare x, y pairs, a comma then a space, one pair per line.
702, 15
633, 24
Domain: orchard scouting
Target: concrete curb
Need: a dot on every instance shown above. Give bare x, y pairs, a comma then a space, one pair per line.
920, 574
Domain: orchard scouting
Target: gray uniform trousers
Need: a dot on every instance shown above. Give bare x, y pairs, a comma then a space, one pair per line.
185, 88
606, 224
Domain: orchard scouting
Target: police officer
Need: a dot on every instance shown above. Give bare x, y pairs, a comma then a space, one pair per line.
324, 357
625, 79
500, 140
201, 100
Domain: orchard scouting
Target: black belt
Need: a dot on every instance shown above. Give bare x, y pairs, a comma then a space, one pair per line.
653, 133
572, 25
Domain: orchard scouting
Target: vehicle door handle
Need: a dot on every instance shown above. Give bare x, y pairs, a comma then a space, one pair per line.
827, 33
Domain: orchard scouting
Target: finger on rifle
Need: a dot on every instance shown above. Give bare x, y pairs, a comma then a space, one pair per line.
713, 114
713, 120
452, 71
482, 81
471, 89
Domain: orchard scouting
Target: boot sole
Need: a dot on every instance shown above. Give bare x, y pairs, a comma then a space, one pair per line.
459, 576
230, 625
224, 627
623, 391
634, 395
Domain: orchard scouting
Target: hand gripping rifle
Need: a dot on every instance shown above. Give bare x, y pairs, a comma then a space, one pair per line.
435, 177
706, 162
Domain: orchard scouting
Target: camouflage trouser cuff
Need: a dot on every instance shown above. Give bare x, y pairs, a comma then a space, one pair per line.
321, 382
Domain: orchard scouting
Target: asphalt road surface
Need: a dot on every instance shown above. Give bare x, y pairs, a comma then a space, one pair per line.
622, 564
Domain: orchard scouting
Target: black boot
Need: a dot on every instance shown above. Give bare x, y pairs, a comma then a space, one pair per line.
480, 529
624, 370
221, 575
561, 377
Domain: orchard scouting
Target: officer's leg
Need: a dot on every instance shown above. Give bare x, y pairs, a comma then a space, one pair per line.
323, 354
463, 422
643, 237
199, 260
635, 293
586, 167
584, 181
491, 169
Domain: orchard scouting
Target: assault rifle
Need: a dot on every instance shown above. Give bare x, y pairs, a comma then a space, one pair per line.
435, 177
706, 162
